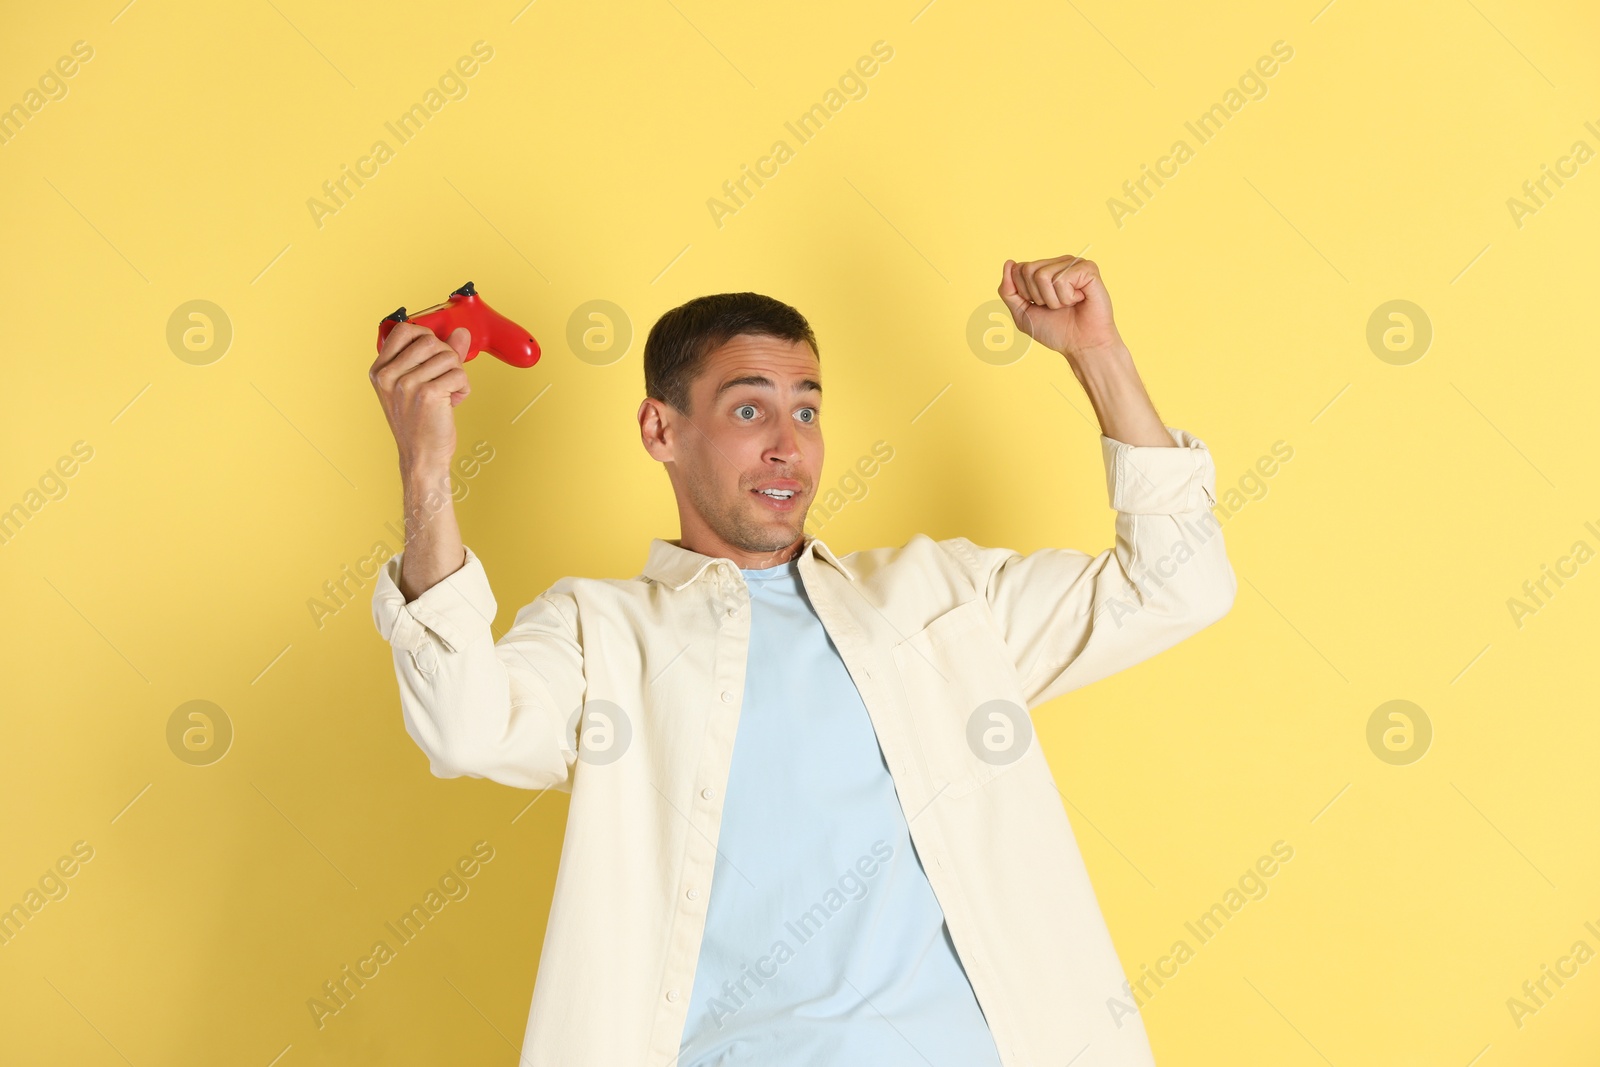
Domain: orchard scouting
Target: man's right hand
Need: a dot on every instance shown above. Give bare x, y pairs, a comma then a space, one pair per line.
420, 380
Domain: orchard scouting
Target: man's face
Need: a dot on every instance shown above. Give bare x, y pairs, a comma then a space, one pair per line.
756, 425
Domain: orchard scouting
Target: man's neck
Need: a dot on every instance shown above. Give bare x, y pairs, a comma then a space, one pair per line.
711, 545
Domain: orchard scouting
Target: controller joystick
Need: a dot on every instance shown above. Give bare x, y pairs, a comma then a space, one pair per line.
491, 331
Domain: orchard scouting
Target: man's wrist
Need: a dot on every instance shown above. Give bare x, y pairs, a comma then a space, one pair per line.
1109, 377
426, 494
424, 474
1103, 361
1118, 396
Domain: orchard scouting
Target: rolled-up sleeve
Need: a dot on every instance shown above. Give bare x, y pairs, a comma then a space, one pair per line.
1069, 618
476, 707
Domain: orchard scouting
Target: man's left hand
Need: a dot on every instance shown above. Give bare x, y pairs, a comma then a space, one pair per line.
1062, 304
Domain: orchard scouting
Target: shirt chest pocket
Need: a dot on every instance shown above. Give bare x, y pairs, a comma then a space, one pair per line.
966, 706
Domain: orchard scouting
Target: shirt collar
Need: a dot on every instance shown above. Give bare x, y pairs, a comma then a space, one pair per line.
675, 566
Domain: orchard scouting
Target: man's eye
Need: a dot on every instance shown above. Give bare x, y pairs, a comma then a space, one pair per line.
812, 412
745, 407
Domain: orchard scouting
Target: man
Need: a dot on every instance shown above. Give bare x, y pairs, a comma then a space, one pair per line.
810, 826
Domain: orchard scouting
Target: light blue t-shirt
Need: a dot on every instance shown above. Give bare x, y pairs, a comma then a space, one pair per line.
824, 943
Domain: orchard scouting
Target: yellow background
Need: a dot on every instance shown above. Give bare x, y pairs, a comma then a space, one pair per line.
1376, 566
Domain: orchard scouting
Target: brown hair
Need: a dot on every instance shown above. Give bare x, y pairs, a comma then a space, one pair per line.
681, 339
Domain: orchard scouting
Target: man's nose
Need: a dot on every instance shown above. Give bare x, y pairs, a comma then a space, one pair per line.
787, 443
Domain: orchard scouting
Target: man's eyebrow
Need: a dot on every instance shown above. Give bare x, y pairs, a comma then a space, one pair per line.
763, 381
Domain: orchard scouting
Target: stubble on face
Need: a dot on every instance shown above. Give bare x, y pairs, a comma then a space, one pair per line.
735, 520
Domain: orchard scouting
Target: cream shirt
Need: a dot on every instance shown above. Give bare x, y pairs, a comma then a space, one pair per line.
626, 694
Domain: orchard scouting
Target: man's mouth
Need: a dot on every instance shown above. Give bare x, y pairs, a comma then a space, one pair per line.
777, 499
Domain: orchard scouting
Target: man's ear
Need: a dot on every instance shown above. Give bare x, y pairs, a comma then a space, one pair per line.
655, 430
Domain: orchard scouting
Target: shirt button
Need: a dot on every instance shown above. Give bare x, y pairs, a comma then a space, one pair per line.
708, 792
672, 995
727, 697
693, 894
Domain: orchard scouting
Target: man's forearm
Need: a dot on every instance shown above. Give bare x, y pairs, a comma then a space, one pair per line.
434, 550
1120, 402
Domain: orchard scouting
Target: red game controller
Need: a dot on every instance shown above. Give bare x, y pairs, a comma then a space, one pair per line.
491, 331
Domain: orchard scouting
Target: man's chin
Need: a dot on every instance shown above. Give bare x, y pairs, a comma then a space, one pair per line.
769, 531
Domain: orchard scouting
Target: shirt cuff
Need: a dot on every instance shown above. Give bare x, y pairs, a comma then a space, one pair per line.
451, 609
1155, 480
